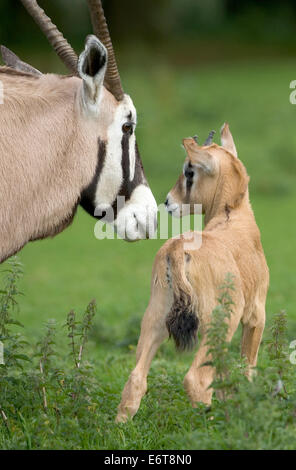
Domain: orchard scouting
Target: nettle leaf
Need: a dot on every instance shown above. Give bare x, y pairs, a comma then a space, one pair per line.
23, 357
15, 322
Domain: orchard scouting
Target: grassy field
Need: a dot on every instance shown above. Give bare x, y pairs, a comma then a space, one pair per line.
70, 270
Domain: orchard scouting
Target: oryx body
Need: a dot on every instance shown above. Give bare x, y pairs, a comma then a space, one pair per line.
65, 141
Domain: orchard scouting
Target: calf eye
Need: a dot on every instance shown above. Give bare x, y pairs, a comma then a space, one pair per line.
189, 174
127, 128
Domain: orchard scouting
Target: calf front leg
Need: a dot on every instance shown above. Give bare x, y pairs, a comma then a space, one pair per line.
251, 339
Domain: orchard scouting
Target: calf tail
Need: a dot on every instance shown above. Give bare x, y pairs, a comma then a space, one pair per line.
182, 321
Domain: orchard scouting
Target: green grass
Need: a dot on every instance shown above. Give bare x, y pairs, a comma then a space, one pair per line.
70, 270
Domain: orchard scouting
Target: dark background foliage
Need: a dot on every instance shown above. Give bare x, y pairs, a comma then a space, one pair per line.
160, 22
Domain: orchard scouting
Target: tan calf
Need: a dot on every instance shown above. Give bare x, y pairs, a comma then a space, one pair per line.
185, 280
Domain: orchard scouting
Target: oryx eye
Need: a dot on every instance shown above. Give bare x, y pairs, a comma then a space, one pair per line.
127, 128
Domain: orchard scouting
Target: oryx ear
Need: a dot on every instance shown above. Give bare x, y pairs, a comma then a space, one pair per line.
227, 139
200, 157
13, 61
92, 66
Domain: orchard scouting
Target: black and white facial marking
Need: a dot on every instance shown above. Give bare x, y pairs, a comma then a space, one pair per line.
132, 169
189, 177
88, 195
184, 188
119, 173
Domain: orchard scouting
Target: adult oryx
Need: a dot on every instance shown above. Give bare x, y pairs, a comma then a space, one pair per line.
66, 140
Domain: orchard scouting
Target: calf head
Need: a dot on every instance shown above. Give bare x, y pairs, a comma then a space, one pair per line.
212, 176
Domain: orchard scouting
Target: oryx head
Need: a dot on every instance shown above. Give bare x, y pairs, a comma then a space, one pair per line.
118, 190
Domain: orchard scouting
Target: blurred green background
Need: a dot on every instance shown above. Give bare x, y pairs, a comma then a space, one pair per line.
189, 66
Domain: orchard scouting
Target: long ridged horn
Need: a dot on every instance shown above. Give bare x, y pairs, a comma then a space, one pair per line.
210, 138
112, 78
54, 36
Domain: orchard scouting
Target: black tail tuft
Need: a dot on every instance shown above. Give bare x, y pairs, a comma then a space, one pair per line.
182, 324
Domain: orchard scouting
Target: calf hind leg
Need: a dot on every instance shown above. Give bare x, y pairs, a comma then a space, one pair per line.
197, 381
153, 333
199, 378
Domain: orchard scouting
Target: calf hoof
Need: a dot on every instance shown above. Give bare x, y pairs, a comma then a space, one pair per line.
197, 390
125, 413
122, 418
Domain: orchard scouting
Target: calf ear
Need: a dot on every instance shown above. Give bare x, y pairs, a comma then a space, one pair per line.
227, 140
92, 66
240, 181
200, 157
